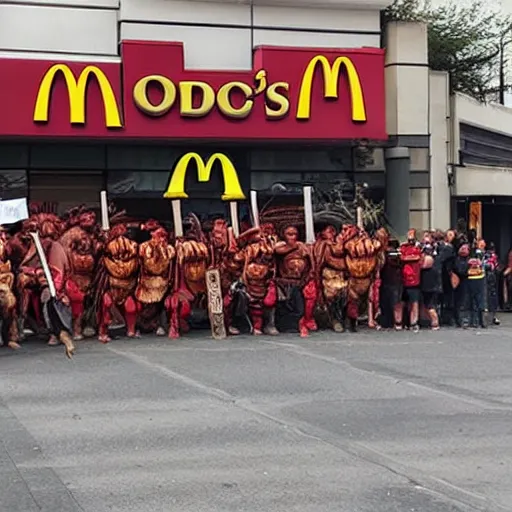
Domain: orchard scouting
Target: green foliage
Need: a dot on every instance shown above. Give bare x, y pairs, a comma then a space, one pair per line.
464, 38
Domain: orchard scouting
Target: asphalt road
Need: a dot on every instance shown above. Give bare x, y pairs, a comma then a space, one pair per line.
360, 422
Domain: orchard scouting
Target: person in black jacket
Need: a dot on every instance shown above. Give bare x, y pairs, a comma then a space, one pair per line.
446, 259
491, 267
461, 268
431, 280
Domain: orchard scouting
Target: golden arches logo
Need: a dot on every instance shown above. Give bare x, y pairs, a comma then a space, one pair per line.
77, 91
232, 188
331, 74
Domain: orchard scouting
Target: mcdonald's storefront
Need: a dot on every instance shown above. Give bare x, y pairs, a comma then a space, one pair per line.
302, 115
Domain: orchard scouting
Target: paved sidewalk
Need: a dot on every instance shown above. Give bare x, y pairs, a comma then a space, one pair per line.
371, 422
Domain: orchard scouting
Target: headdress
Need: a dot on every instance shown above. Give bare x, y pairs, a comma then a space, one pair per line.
282, 217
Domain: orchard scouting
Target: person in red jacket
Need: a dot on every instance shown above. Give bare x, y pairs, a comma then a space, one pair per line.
411, 256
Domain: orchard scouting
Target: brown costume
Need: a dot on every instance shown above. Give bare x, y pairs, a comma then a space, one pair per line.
8, 314
361, 258
156, 257
49, 227
374, 299
331, 271
192, 261
223, 248
80, 241
121, 263
258, 275
296, 269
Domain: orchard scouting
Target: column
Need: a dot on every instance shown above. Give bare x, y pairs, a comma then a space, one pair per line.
398, 177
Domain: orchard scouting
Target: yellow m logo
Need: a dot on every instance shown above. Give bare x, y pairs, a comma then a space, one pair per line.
232, 188
77, 92
331, 76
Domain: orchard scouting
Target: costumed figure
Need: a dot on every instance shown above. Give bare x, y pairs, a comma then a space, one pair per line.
362, 256
296, 277
8, 314
224, 247
331, 273
156, 258
55, 305
382, 236
295, 271
257, 256
192, 259
81, 242
49, 227
118, 280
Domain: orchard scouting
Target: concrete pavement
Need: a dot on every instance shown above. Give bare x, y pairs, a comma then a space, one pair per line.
366, 422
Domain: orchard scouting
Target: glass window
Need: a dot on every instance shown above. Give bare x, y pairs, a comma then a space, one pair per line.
13, 184
282, 182
67, 156
328, 160
58, 191
137, 183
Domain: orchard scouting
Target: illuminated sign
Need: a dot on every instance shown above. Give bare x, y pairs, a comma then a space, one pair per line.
277, 103
331, 76
77, 90
232, 188
290, 94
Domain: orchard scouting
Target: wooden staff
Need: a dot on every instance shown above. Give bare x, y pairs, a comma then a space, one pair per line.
359, 214
44, 264
176, 216
254, 209
308, 215
105, 221
233, 208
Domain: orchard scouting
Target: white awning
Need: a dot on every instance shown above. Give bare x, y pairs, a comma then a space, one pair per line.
481, 180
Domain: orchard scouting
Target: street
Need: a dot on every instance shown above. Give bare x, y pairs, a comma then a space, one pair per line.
366, 422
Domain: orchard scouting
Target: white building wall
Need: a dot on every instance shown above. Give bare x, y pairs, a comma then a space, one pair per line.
440, 191
480, 180
216, 34
65, 30
407, 110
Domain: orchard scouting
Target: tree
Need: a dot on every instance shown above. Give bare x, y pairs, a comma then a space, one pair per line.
466, 39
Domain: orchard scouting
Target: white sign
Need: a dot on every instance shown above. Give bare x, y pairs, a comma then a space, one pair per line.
13, 210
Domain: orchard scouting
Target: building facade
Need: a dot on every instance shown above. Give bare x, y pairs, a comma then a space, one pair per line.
472, 164
110, 94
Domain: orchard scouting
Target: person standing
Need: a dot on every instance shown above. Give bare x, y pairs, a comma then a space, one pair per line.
410, 256
391, 288
431, 281
446, 256
460, 286
491, 265
476, 287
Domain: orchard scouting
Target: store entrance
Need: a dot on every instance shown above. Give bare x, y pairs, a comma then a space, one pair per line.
491, 217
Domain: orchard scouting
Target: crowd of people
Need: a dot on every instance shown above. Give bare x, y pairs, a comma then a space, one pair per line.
68, 276
453, 277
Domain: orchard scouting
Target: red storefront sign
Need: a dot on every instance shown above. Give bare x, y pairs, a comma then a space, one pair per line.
292, 94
